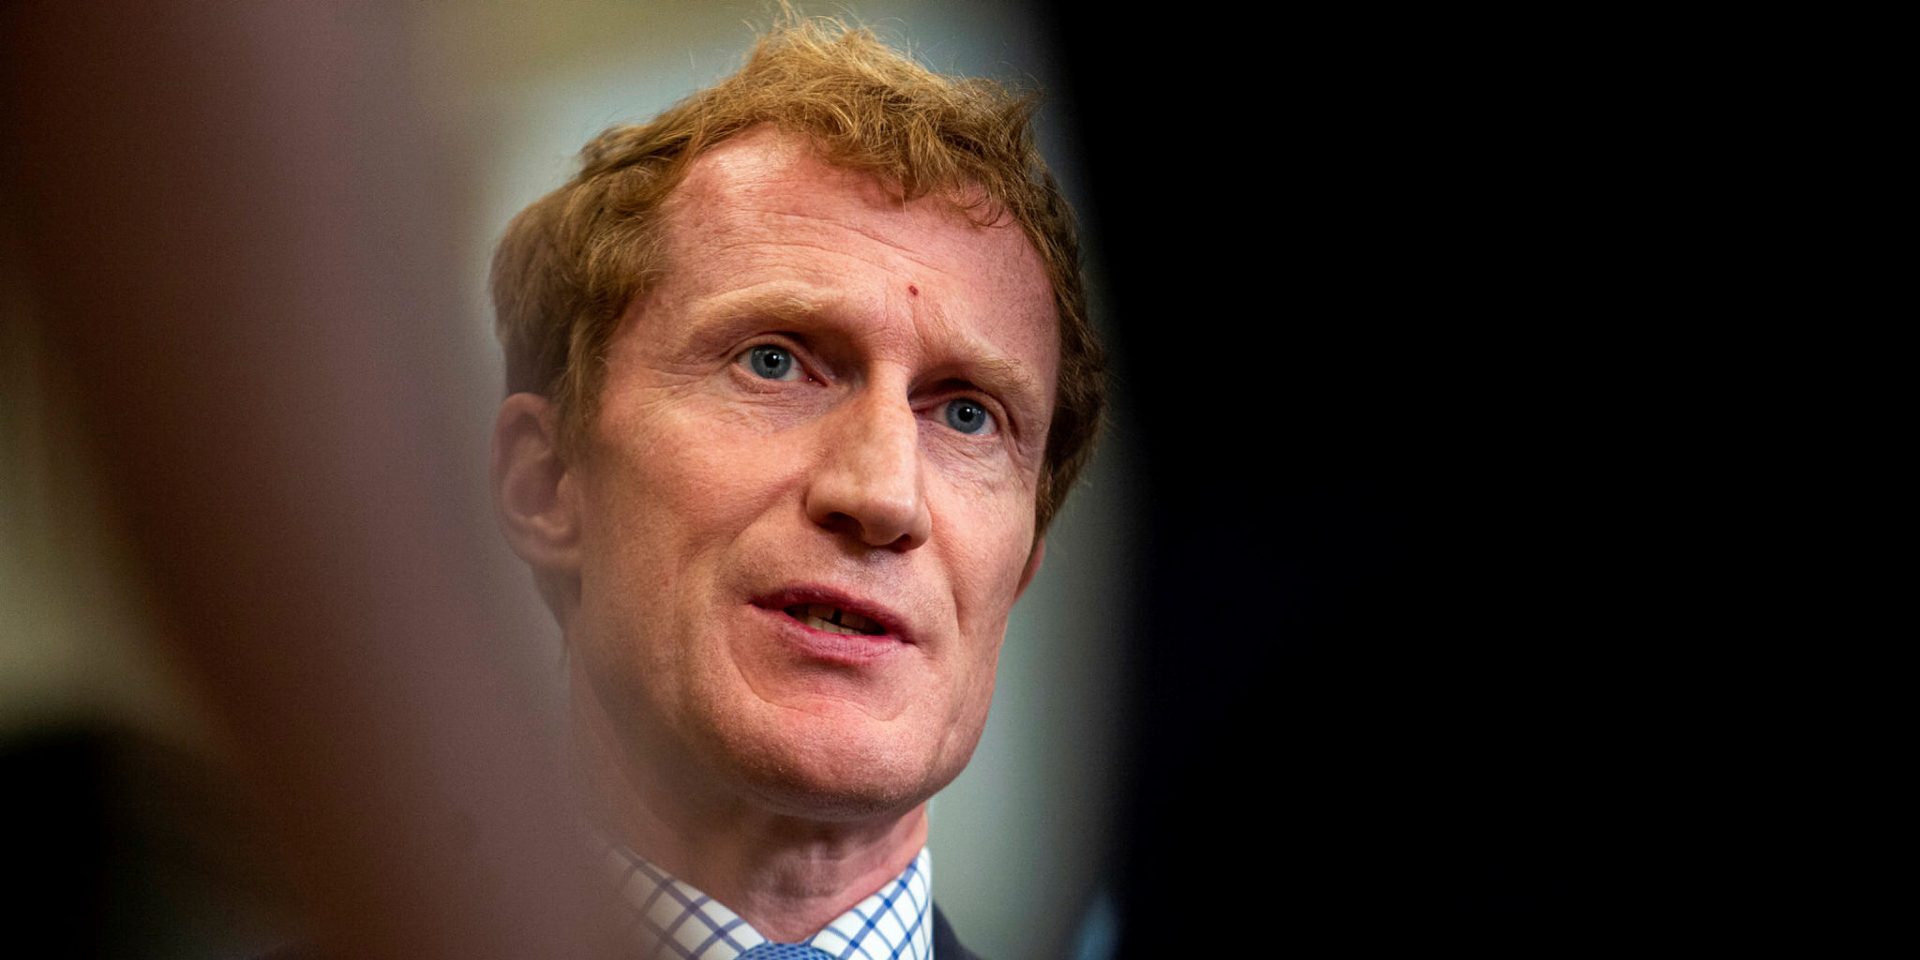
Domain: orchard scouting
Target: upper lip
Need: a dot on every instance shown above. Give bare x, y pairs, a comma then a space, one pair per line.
891, 623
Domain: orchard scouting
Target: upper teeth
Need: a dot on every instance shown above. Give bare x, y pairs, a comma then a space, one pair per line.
833, 619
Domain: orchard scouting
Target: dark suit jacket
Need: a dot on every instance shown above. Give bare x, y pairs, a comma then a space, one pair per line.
946, 946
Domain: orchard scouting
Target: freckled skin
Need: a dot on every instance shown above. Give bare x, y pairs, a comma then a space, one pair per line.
706, 484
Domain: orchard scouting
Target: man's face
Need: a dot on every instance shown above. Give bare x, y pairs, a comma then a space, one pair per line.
835, 402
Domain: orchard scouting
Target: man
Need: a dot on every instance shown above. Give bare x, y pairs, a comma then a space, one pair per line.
799, 372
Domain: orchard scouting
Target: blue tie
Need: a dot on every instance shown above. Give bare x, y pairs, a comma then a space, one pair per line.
786, 951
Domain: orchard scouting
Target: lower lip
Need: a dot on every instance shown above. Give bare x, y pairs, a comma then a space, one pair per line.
850, 649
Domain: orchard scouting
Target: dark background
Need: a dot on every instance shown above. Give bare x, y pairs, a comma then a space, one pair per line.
1361, 275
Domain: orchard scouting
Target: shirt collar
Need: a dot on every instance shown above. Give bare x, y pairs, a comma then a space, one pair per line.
681, 923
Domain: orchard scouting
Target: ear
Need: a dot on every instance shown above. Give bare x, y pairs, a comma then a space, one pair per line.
1033, 565
533, 495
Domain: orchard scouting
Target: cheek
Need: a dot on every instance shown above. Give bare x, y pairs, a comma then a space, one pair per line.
991, 526
683, 484
666, 501
986, 569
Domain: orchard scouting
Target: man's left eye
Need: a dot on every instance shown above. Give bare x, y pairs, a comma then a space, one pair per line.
772, 362
967, 416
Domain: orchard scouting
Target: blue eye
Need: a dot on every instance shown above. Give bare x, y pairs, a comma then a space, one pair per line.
967, 416
772, 362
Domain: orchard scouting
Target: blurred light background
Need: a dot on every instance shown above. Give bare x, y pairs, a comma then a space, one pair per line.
1019, 841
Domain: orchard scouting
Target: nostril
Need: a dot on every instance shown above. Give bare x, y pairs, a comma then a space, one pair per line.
872, 534
851, 527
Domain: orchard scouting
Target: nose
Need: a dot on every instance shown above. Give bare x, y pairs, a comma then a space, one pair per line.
867, 482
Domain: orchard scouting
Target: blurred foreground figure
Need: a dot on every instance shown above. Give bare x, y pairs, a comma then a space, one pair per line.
229, 229
799, 372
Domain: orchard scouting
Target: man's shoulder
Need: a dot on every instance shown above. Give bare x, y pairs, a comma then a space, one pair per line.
946, 946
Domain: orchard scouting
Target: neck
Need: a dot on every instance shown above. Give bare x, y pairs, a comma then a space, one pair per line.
788, 876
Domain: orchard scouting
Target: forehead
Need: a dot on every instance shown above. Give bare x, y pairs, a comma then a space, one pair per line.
764, 212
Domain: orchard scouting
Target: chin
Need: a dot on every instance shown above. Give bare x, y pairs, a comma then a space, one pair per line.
825, 771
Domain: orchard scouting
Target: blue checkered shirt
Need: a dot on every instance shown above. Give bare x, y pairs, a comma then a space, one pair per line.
673, 921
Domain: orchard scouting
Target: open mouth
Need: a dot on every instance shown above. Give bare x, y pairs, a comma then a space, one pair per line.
832, 619
834, 610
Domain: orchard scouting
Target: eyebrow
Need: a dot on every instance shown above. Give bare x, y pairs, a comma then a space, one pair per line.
1006, 377
757, 302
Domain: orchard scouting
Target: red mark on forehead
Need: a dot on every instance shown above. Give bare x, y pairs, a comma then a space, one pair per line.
913, 290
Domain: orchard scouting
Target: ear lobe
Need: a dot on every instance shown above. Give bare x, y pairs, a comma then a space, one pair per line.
1033, 565
531, 495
